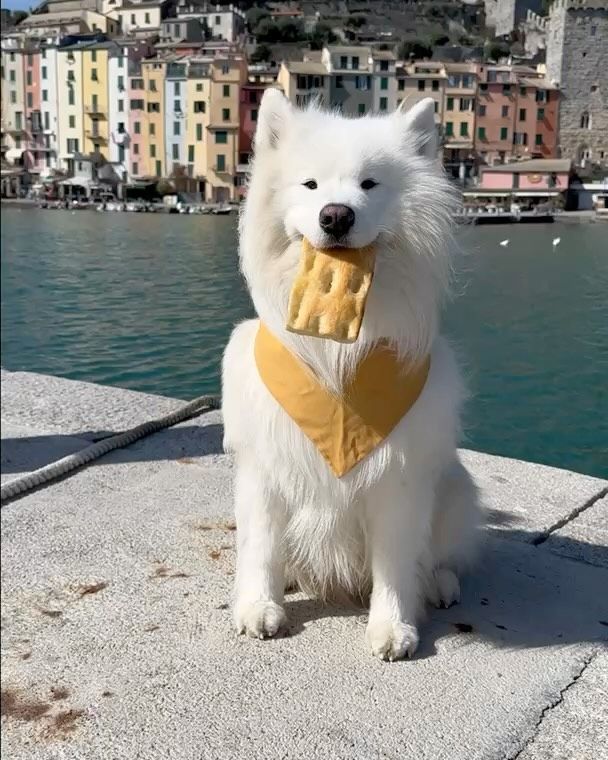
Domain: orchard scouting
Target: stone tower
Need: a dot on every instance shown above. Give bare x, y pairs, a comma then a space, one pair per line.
577, 61
505, 15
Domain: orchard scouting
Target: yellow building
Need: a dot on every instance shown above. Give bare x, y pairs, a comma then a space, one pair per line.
95, 100
152, 158
198, 94
222, 139
70, 105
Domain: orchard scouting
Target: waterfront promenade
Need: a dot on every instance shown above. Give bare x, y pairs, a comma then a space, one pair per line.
117, 636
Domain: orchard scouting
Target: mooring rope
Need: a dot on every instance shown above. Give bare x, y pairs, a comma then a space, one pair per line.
20, 486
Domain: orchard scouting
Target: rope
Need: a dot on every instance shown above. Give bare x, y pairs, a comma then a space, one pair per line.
20, 486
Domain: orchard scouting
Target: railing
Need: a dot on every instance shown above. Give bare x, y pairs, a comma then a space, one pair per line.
94, 109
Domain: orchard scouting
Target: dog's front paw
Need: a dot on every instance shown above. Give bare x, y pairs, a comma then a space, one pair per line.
261, 620
390, 640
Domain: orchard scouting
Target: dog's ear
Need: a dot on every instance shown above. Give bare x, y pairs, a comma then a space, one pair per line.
419, 122
275, 111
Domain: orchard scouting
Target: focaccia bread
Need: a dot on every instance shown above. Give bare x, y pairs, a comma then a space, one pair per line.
328, 296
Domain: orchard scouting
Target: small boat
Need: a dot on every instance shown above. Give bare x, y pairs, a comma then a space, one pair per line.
221, 210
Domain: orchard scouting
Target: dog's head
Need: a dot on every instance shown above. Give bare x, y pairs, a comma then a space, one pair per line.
350, 183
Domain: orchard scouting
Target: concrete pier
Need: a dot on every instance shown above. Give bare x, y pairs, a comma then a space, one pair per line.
117, 640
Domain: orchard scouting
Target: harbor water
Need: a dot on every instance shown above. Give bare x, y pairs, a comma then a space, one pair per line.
147, 301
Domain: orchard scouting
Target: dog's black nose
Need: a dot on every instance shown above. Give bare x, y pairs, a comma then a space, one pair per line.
336, 220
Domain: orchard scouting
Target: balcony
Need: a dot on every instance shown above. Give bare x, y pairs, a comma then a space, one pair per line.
91, 134
94, 109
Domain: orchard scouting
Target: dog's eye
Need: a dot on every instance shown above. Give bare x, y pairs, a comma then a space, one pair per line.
310, 184
368, 184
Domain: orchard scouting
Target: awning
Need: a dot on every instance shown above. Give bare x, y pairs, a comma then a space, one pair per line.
509, 193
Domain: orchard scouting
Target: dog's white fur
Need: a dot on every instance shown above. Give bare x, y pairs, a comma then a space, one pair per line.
403, 521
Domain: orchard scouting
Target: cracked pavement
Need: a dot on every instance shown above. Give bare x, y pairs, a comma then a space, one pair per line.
116, 629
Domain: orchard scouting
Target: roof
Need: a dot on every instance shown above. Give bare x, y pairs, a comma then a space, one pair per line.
383, 55
534, 165
467, 68
306, 67
350, 50
58, 17
543, 84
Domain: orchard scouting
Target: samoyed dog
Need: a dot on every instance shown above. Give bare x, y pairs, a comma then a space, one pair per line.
397, 528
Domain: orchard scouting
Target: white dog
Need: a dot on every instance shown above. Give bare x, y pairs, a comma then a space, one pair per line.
403, 521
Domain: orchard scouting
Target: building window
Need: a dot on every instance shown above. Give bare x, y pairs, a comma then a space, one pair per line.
72, 122
585, 120
522, 114
225, 68
137, 127
401, 85
541, 96
506, 89
593, 88
421, 85
355, 61
121, 153
152, 85
449, 128
13, 96
11, 75
137, 84
540, 114
339, 82
343, 61
176, 128
47, 121
28, 78
467, 81
94, 77
226, 90
593, 30
384, 83
94, 56
199, 86
361, 109
218, 20
153, 107
383, 65
121, 83
177, 106
225, 114
483, 87
450, 104
70, 75
135, 168
221, 163
175, 152
383, 104
481, 133
435, 85
71, 98
464, 129
121, 106
136, 148
436, 107
133, 19
152, 151
146, 18
199, 132
199, 106
254, 114
176, 88
466, 104
504, 112
538, 140
73, 145
158, 168
221, 138
481, 111
152, 129
504, 133
136, 105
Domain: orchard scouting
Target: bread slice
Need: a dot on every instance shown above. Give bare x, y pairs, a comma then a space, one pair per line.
328, 296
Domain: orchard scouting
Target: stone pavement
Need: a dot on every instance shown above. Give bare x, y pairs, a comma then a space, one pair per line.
116, 629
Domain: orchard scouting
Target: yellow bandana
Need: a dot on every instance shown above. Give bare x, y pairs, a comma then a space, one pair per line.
345, 429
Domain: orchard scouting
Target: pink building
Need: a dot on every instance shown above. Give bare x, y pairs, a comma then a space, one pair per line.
250, 98
528, 183
34, 154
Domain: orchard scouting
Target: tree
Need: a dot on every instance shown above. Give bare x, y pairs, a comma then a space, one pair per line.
322, 35
261, 53
496, 50
414, 49
355, 22
440, 39
254, 16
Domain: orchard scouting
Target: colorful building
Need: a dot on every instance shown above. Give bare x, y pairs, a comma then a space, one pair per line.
459, 118
227, 77
153, 75
419, 80
71, 115
175, 115
198, 97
